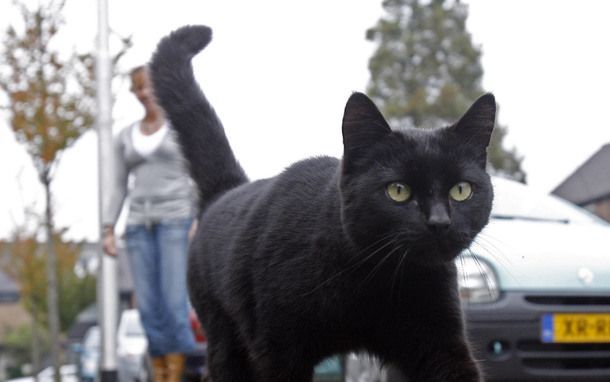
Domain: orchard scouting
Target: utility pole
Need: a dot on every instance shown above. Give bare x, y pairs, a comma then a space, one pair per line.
107, 291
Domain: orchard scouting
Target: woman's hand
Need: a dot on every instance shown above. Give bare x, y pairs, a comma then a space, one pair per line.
192, 230
109, 242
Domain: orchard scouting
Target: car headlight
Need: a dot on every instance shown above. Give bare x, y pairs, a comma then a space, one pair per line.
476, 280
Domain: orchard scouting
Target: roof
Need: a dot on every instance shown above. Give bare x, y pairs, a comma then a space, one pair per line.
590, 182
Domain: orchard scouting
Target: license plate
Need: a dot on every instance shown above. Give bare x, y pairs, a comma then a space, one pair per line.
576, 328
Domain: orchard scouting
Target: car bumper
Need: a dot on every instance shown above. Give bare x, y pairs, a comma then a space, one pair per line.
506, 337
131, 369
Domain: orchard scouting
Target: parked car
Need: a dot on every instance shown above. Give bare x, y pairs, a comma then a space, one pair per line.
131, 348
535, 287
89, 355
68, 373
132, 354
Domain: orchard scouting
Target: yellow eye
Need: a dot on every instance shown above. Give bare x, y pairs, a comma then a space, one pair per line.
398, 192
461, 191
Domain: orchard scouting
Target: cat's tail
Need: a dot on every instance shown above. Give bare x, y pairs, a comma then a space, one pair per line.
212, 163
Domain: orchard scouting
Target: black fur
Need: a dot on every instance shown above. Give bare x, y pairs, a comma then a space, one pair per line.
318, 260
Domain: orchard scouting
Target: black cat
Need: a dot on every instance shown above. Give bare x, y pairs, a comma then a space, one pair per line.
330, 256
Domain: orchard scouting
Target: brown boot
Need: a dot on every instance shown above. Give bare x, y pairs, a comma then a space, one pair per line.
175, 366
159, 369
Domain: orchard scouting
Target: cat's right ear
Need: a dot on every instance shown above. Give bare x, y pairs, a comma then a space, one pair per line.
363, 125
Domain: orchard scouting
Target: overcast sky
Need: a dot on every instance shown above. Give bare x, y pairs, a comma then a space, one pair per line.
279, 73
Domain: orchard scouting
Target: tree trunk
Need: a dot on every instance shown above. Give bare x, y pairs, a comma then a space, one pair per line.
53, 310
35, 345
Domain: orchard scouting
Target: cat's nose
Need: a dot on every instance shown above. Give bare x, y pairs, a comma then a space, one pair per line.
439, 226
438, 219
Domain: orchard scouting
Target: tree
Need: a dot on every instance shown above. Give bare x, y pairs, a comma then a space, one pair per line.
18, 343
28, 268
26, 263
426, 71
51, 100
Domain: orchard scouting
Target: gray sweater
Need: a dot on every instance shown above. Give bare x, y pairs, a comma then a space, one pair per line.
158, 185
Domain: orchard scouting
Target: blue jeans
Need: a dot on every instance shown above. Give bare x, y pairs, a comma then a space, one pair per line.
157, 256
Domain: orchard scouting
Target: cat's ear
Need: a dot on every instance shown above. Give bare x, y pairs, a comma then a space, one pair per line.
477, 124
363, 125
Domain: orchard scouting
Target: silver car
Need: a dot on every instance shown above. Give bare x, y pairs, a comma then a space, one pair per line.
536, 288
89, 355
131, 348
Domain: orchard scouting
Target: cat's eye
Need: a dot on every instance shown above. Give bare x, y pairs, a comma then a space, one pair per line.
461, 192
398, 192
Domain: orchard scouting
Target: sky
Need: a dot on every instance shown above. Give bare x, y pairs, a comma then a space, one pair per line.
279, 73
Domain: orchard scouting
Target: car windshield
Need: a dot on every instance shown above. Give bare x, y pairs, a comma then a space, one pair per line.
514, 200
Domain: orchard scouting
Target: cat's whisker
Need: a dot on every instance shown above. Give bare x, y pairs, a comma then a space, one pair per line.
496, 250
397, 272
371, 246
500, 257
464, 274
484, 274
391, 240
358, 263
379, 264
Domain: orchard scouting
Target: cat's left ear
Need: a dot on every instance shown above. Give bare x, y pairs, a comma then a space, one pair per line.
477, 124
363, 126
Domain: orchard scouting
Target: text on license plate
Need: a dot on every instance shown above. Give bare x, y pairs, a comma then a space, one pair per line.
576, 327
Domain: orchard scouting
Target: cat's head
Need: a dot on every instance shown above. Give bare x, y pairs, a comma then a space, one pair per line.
423, 194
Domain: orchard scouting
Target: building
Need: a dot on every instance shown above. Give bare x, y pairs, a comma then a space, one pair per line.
589, 185
12, 316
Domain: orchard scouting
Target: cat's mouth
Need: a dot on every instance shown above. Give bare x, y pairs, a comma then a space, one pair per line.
439, 249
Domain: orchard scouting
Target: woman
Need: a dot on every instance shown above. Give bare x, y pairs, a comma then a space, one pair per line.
162, 203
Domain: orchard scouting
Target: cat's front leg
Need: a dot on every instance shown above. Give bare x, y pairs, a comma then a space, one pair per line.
281, 365
442, 362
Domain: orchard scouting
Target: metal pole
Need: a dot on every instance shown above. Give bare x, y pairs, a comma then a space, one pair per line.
107, 300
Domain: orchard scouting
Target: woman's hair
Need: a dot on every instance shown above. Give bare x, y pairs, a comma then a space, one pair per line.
137, 69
